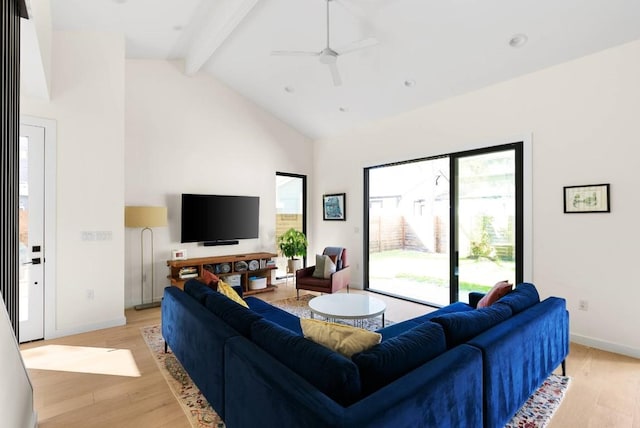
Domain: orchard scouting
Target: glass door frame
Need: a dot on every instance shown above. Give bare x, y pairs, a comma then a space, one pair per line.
304, 203
453, 213
523, 212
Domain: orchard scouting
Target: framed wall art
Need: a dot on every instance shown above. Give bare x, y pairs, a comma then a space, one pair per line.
592, 198
333, 207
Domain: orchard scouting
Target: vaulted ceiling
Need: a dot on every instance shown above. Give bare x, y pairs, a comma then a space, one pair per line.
422, 50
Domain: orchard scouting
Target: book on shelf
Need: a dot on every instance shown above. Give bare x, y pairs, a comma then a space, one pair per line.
188, 275
188, 272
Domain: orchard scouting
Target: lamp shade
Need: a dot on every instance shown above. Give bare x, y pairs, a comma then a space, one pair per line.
145, 216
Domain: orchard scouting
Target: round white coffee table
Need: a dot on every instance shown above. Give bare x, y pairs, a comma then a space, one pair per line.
347, 306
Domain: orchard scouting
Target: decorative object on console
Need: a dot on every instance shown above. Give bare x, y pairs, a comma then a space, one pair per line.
180, 254
223, 268
254, 264
334, 207
145, 217
592, 198
241, 266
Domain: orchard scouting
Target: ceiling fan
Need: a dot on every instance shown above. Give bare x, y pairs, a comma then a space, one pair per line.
328, 55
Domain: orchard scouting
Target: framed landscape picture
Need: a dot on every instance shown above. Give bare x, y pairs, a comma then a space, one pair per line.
333, 207
592, 198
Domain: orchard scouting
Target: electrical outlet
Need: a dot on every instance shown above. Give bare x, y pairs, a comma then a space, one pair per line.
583, 305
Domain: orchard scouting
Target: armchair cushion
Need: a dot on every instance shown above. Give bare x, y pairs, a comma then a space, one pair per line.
324, 267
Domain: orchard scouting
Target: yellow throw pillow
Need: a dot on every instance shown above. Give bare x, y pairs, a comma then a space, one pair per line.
226, 289
341, 338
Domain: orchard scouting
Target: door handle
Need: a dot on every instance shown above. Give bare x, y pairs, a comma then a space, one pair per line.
34, 261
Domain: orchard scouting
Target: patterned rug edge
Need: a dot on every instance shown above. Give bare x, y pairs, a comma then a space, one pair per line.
545, 402
194, 405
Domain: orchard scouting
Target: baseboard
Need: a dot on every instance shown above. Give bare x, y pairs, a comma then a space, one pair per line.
86, 328
616, 348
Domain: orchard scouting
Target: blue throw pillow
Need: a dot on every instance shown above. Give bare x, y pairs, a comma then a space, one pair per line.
459, 327
237, 316
397, 356
333, 374
197, 290
522, 297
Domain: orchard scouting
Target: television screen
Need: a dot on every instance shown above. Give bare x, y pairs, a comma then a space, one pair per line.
211, 218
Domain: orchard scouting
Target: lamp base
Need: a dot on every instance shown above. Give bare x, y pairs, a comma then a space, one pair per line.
147, 306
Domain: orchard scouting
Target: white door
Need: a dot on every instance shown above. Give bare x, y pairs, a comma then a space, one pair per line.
31, 233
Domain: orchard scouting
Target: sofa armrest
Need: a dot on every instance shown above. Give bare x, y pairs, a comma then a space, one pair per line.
474, 298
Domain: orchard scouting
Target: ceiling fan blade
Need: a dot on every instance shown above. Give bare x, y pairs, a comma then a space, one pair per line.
357, 45
295, 53
337, 81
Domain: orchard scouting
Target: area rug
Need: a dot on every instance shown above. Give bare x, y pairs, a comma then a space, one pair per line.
536, 412
540, 407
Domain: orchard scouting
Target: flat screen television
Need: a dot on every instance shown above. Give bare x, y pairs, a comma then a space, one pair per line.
219, 219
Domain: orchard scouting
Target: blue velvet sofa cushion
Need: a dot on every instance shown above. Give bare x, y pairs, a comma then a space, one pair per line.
522, 297
397, 356
237, 316
198, 290
275, 314
459, 327
333, 374
399, 328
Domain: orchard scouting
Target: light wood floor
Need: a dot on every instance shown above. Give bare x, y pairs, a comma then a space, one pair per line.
604, 392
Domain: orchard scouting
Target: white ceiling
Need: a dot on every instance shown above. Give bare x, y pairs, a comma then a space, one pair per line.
446, 47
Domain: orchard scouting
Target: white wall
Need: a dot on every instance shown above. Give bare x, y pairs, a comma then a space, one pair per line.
87, 102
582, 117
195, 135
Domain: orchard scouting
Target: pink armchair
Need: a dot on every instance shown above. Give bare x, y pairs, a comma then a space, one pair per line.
337, 281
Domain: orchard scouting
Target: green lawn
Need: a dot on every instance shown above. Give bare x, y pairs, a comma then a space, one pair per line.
433, 269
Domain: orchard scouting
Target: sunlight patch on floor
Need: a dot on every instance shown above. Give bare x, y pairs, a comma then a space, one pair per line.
82, 359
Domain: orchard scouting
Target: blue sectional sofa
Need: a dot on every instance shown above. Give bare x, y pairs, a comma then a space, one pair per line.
455, 367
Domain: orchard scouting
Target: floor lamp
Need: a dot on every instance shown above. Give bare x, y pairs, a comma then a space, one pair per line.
146, 218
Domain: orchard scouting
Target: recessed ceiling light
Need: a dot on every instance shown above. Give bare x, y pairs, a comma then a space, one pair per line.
289, 89
409, 83
518, 40
344, 109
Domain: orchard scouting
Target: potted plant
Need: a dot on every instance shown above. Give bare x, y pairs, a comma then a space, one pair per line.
293, 243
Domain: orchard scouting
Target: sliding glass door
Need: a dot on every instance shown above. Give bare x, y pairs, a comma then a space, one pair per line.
439, 228
486, 208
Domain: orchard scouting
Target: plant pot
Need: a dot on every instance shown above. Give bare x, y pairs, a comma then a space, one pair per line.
293, 265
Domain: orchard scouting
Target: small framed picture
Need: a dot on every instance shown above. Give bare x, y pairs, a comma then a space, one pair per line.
592, 198
334, 207
180, 254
